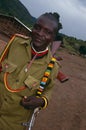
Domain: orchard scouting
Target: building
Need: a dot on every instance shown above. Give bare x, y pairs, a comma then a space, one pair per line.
10, 25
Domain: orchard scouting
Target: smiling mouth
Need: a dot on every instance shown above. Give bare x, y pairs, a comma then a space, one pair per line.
38, 39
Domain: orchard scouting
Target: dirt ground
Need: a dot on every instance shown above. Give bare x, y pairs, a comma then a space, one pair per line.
67, 108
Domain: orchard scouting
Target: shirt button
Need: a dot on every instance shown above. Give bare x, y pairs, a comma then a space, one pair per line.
5, 99
17, 80
6, 66
26, 70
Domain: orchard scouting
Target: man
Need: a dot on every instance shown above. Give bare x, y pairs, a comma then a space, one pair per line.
25, 66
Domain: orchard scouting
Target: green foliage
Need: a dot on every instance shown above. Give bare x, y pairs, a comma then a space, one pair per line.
82, 50
74, 44
68, 47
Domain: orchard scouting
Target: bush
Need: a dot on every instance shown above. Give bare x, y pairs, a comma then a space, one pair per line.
82, 50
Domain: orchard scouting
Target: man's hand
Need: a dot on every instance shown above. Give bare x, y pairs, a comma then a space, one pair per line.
32, 102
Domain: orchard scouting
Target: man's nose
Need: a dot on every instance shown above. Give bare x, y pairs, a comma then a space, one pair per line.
41, 32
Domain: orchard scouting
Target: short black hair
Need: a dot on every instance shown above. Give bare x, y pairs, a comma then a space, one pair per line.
51, 17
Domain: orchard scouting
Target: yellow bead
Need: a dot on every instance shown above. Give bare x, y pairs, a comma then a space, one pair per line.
53, 59
39, 93
44, 79
50, 65
46, 74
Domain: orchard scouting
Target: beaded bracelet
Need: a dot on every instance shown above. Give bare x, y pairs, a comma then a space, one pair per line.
45, 101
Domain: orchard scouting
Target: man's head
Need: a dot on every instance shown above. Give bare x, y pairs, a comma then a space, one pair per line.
44, 31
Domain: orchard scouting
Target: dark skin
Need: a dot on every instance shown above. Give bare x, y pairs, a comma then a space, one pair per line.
32, 102
43, 34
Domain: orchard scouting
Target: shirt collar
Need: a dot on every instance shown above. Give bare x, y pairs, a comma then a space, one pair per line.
46, 58
37, 51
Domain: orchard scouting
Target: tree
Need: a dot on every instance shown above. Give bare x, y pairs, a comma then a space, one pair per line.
82, 50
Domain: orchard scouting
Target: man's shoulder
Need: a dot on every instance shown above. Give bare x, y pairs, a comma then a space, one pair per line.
21, 36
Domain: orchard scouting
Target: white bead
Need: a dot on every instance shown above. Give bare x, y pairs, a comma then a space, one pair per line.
26, 69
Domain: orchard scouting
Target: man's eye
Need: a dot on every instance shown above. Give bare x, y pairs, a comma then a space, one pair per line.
48, 32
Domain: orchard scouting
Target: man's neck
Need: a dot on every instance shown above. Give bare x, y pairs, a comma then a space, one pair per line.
38, 50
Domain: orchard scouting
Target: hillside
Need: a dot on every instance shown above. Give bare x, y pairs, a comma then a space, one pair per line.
17, 9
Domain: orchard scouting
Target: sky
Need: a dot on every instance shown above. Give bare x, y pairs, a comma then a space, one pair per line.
72, 14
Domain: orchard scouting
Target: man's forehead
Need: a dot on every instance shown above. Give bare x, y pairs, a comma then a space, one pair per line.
47, 21
45, 18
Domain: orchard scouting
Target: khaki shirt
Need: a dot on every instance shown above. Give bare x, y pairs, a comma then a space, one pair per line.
16, 82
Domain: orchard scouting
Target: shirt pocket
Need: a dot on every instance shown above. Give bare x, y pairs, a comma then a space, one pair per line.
8, 66
32, 83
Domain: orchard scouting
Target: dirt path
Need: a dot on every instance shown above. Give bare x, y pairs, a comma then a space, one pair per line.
67, 109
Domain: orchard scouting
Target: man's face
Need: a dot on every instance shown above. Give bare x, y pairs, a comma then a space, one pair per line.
43, 33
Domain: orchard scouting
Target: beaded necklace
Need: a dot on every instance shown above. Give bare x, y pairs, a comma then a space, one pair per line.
42, 83
45, 77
